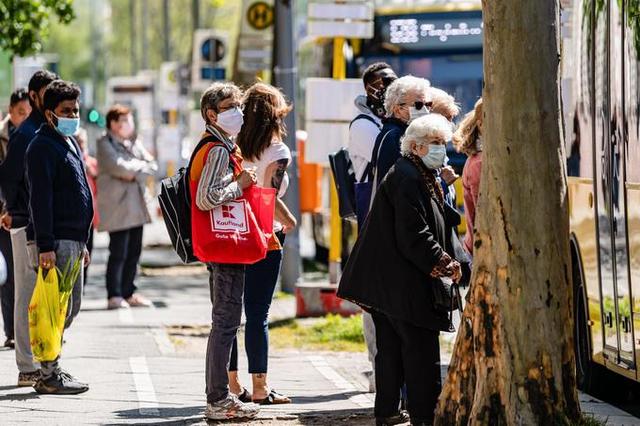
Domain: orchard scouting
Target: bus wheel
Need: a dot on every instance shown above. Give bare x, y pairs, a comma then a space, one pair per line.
586, 370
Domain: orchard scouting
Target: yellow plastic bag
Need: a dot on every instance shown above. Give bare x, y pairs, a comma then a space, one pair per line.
46, 317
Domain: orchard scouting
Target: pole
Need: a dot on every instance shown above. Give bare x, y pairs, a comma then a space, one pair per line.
133, 38
195, 14
93, 29
335, 242
145, 34
166, 29
285, 77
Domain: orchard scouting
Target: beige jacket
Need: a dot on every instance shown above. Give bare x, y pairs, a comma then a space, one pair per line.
124, 168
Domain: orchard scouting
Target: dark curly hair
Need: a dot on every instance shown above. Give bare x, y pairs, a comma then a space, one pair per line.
59, 91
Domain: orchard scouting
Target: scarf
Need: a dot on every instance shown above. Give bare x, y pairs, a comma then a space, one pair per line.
429, 180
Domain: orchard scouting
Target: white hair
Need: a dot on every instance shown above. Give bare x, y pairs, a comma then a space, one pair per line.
423, 129
443, 103
399, 89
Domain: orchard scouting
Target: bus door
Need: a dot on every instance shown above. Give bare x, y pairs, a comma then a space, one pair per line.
609, 182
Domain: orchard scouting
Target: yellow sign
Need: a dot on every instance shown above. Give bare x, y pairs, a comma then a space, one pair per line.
260, 15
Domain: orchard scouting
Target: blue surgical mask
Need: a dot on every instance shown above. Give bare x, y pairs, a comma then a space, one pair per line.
435, 157
67, 126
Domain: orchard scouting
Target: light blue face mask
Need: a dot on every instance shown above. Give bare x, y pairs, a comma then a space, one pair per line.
67, 126
435, 157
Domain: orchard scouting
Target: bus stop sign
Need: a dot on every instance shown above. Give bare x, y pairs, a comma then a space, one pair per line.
260, 15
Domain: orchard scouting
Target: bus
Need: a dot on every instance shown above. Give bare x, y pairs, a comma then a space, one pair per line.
602, 128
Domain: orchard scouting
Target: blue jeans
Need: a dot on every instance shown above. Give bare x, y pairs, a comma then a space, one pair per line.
260, 281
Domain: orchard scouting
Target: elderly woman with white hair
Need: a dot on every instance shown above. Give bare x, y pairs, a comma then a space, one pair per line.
406, 99
395, 272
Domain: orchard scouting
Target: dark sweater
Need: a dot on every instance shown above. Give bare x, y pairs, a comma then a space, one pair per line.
386, 151
60, 200
12, 170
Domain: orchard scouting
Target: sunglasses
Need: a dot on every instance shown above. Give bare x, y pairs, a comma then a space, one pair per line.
419, 105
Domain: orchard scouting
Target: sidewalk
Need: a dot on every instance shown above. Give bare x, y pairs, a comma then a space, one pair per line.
139, 376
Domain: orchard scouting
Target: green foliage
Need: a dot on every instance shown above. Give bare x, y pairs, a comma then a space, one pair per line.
24, 24
331, 333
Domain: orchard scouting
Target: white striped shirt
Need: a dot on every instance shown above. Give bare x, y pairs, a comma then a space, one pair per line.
217, 184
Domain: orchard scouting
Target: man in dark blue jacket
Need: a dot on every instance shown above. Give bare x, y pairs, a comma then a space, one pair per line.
61, 208
16, 195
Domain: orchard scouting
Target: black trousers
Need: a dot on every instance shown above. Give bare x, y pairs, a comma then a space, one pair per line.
7, 291
124, 253
411, 355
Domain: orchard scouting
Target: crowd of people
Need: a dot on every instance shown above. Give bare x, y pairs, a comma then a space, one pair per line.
54, 194
408, 253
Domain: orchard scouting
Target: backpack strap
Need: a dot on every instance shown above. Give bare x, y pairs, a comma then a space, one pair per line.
365, 117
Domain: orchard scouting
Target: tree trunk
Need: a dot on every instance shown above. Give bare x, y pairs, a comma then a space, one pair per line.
513, 361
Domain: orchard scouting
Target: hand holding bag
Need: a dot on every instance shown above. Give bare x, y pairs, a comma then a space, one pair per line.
236, 232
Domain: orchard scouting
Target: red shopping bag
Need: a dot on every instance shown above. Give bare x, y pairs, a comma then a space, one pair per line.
236, 232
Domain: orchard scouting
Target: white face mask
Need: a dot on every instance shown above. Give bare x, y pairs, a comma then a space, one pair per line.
417, 113
231, 121
435, 157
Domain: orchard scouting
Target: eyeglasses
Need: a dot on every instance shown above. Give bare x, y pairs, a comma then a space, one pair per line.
227, 108
419, 105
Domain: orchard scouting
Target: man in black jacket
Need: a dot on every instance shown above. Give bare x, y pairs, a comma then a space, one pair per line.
16, 195
61, 208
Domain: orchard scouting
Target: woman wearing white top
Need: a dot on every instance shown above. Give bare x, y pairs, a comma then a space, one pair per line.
260, 141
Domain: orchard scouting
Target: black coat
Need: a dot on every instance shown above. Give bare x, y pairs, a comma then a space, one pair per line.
386, 150
402, 240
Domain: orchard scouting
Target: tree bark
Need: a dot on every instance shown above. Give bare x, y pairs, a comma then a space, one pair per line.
513, 360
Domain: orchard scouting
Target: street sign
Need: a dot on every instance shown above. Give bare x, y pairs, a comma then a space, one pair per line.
210, 58
329, 110
255, 43
260, 15
353, 19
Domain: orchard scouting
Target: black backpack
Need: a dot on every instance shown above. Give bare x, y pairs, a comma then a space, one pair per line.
345, 178
175, 203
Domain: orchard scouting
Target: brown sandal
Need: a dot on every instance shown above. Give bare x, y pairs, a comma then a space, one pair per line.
274, 398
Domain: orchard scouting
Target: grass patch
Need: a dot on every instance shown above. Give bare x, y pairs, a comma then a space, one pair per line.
331, 333
589, 420
281, 295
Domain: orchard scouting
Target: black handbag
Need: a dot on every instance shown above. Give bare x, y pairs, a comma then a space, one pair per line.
447, 299
345, 180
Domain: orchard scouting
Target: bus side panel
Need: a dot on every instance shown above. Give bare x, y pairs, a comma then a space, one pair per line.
632, 160
580, 167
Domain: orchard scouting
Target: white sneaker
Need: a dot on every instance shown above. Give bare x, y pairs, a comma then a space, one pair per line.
117, 303
231, 408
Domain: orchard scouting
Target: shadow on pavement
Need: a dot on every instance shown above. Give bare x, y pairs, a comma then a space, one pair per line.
19, 396
343, 417
165, 416
325, 398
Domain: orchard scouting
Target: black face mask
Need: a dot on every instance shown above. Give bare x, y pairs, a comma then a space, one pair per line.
375, 102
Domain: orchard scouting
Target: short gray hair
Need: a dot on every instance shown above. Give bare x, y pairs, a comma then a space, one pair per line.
215, 94
398, 90
423, 128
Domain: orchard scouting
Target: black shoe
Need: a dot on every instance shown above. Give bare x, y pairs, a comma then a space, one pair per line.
401, 417
10, 343
28, 379
59, 384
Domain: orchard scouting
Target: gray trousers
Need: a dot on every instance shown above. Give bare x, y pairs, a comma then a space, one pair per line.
24, 281
369, 329
66, 250
226, 286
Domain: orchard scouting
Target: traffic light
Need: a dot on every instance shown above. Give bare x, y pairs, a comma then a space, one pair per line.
94, 117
